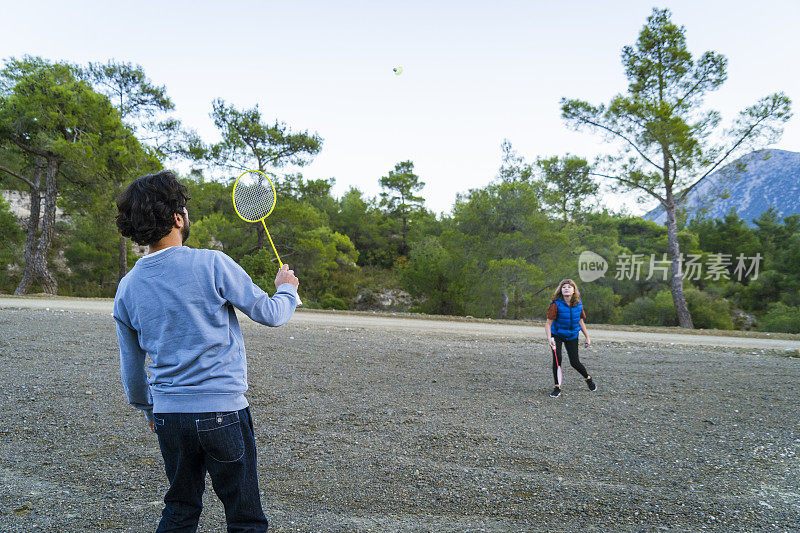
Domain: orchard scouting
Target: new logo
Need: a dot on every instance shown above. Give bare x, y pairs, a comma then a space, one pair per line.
591, 266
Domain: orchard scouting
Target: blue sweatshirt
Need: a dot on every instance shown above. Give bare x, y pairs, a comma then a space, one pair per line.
177, 306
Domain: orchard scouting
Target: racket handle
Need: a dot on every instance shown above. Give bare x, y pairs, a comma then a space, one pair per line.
278, 257
280, 263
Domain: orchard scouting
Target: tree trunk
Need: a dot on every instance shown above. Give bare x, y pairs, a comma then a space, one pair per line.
261, 235
676, 281
123, 257
404, 246
48, 281
33, 229
504, 308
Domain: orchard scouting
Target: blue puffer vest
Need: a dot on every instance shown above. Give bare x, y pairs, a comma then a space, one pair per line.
568, 324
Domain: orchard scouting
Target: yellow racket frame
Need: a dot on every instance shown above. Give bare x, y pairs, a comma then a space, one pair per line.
274, 195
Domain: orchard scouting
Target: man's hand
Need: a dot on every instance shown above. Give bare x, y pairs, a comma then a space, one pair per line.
286, 276
552, 343
152, 426
587, 343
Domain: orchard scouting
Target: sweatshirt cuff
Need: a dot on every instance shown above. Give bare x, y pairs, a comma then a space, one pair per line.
287, 287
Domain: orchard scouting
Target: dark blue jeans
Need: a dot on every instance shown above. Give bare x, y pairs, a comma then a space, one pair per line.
221, 444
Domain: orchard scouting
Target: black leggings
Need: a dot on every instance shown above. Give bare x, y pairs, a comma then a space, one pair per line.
572, 352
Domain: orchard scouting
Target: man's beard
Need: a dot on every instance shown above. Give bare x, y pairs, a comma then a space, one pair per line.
185, 229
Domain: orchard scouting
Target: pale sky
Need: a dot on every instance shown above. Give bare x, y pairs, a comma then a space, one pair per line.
474, 73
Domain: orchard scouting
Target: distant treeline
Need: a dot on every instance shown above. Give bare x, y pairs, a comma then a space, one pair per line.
499, 254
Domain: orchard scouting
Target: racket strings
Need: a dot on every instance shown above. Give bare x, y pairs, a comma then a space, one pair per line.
253, 196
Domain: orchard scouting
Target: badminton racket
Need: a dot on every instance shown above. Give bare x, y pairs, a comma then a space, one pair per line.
253, 200
559, 375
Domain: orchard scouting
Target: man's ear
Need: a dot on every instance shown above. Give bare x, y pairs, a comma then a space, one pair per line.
177, 220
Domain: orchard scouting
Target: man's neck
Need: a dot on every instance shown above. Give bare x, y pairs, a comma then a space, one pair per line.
173, 239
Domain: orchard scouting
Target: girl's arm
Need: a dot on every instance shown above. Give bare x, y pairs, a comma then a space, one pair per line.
585, 333
550, 340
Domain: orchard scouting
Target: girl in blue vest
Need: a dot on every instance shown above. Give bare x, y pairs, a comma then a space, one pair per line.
564, 323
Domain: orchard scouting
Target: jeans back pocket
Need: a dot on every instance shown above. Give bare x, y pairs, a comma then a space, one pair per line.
221, 437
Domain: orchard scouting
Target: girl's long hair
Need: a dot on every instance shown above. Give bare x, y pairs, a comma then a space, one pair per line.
576, 295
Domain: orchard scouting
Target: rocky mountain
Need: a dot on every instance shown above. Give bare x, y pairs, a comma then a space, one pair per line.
771, 178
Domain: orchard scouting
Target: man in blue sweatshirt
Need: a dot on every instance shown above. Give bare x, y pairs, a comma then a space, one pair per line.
176, 306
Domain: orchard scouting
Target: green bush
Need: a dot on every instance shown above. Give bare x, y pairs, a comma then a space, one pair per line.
781, 318
329, 301
262, 268
707, 311
601, 304
12, 248
646, 311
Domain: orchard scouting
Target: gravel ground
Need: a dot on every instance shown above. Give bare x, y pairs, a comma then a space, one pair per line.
368, 428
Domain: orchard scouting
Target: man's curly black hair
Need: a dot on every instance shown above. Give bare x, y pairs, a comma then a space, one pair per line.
147, 206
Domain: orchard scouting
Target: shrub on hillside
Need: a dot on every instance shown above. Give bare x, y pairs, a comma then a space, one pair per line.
706, 310
646, 311
329, 301
781, 318
12, 245
261, 268
601, 304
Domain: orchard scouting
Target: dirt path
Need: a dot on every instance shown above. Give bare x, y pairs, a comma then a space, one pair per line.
396, 424
437, 326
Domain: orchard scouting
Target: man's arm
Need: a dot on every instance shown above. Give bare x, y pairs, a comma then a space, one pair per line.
131, 363
235, 285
